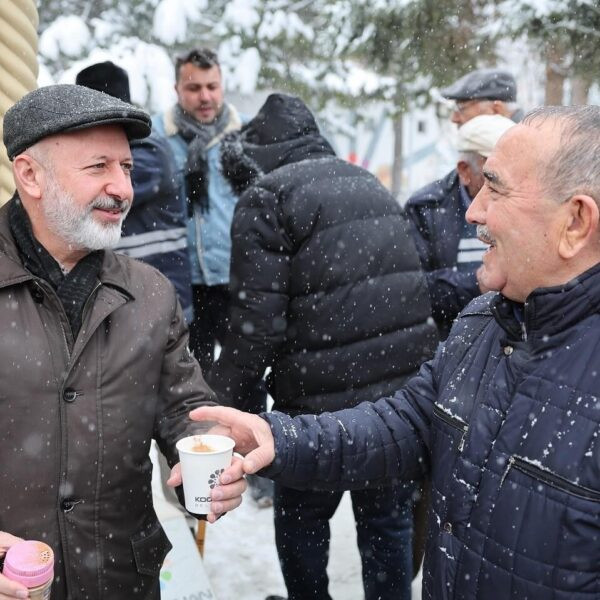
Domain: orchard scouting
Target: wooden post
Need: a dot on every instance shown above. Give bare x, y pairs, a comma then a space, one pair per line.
18, 69
200, 535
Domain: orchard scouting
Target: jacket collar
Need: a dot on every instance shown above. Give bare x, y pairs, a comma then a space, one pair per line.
548, 312
12, 271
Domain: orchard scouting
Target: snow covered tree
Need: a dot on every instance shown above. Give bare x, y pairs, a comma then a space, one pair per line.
415, 45
567, 33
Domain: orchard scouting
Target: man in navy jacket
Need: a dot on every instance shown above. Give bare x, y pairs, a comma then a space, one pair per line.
506, 416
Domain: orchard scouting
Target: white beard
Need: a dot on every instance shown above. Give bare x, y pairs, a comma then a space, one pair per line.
75, 224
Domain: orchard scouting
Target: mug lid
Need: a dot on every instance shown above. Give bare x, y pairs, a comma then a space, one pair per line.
29, 562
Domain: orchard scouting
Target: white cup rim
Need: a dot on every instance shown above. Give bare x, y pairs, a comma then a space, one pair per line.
205, 438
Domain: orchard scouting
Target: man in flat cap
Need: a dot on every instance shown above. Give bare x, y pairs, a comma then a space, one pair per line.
155, 230
483, 92
448, 246
94, 355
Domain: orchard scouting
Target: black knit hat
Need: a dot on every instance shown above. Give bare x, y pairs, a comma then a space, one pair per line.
106, 77
67, 107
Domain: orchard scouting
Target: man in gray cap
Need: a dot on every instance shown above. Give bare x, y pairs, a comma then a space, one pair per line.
94, 355
483, 92
448, 246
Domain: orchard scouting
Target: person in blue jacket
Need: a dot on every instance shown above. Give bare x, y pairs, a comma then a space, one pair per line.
194, 128
506, 416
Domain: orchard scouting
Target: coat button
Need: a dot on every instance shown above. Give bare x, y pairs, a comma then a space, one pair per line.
67, 505
508, 350
447, 527
37, 295
69, 395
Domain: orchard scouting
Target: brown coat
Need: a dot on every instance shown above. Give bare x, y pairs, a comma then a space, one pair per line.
78, 417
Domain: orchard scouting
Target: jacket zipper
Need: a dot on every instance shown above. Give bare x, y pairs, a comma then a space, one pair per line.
548, 477
454, 422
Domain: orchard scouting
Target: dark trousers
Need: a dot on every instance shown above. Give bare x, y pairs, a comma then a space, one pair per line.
383, 526
211, 305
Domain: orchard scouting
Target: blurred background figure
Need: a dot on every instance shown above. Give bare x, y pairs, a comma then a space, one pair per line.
448, 247
483, 92
155, 228
326, 289
194, 128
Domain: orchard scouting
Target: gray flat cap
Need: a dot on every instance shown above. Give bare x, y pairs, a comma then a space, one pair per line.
60, 108
483, 84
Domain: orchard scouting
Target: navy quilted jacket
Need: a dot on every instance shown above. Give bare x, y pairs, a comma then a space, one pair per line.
506, 418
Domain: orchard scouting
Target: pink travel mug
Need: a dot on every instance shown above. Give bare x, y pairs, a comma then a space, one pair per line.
32, 564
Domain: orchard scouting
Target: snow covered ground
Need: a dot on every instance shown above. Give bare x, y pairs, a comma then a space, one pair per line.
241, 561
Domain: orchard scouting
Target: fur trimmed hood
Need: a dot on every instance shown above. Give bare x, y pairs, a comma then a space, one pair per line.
284, 131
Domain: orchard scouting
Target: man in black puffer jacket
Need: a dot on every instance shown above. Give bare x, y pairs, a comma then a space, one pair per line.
326, 290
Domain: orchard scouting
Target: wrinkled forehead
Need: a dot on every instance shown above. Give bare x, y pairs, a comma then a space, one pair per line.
523, 151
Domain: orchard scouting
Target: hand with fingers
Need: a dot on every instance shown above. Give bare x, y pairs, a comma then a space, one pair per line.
8, 588
224, 497
252, 435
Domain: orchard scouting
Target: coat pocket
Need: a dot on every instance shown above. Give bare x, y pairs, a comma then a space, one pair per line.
544, 531
150, 547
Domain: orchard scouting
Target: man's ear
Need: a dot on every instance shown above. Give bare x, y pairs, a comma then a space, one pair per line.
28, 175
464, 172
499, 108
581, 225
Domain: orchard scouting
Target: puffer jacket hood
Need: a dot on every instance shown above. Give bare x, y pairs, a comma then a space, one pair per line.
284, 131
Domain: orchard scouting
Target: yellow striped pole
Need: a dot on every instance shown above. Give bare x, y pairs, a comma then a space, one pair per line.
18, 69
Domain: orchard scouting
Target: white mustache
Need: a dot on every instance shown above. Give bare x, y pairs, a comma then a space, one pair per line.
483, 233
108, 203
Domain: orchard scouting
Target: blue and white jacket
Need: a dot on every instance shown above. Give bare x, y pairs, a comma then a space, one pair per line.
209, 235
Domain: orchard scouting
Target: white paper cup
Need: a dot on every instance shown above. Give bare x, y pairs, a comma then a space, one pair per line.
200, 470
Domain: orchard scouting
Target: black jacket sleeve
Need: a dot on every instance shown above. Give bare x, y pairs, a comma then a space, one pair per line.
259, 297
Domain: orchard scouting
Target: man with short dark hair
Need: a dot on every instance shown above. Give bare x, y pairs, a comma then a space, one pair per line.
483, 92
506, 417
94, 360
194, 127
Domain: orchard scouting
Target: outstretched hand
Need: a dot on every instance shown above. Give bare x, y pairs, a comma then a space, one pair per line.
252, 435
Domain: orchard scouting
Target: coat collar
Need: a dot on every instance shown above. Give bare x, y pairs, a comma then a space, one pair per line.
548, 312
113, 273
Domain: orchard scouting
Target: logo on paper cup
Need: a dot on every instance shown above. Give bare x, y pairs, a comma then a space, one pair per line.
213, 480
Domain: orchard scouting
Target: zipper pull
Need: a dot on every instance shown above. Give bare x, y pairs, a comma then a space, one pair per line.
511, 461
461, 444
523, 331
